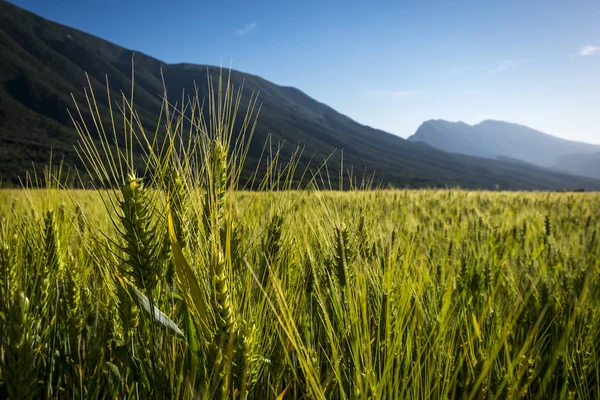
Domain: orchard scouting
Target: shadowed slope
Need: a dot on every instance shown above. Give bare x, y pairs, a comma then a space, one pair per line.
44, 62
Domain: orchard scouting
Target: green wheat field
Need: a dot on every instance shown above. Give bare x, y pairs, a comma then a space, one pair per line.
169, 281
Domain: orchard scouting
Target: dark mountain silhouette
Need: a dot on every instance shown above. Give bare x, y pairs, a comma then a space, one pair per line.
43, 62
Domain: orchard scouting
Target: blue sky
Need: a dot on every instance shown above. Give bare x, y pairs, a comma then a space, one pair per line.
390, 65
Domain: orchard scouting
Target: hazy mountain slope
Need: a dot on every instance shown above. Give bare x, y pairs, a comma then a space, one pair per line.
580, 164
494, 139
453, 137
530, 145
43, 62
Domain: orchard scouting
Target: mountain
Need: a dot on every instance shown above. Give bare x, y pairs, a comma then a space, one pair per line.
498, 139
453, 137
579, 164
42, 63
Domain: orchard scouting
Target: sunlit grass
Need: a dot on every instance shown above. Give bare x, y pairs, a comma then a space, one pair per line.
167, 281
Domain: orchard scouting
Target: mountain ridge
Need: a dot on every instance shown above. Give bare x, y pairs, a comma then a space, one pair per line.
496, 139
44, 62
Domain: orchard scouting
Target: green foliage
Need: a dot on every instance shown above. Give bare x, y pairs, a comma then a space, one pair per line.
469, 308
297, 293
139, 231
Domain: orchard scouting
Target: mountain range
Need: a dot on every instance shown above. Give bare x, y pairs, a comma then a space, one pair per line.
43, 63
503, 140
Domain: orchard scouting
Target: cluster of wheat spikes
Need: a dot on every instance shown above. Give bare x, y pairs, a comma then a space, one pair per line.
167, 281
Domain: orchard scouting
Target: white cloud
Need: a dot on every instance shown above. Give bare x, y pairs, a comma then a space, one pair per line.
395, 94
588, 50
387, 94
251, 27
483, 117
504, 65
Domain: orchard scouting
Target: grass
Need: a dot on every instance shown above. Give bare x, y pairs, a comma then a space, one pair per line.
172, 282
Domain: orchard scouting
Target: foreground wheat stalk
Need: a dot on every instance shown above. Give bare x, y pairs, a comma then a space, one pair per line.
168, 281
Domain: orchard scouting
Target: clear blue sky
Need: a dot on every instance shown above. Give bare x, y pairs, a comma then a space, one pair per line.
390, 65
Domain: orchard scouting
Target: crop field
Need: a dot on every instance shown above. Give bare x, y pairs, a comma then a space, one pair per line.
169, 281
388, 294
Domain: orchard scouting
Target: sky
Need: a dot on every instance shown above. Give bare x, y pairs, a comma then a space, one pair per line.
390, 65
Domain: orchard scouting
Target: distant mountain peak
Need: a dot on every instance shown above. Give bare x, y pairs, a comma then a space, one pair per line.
500, 139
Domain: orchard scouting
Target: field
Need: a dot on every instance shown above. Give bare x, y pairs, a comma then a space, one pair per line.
382, 294
170, 281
